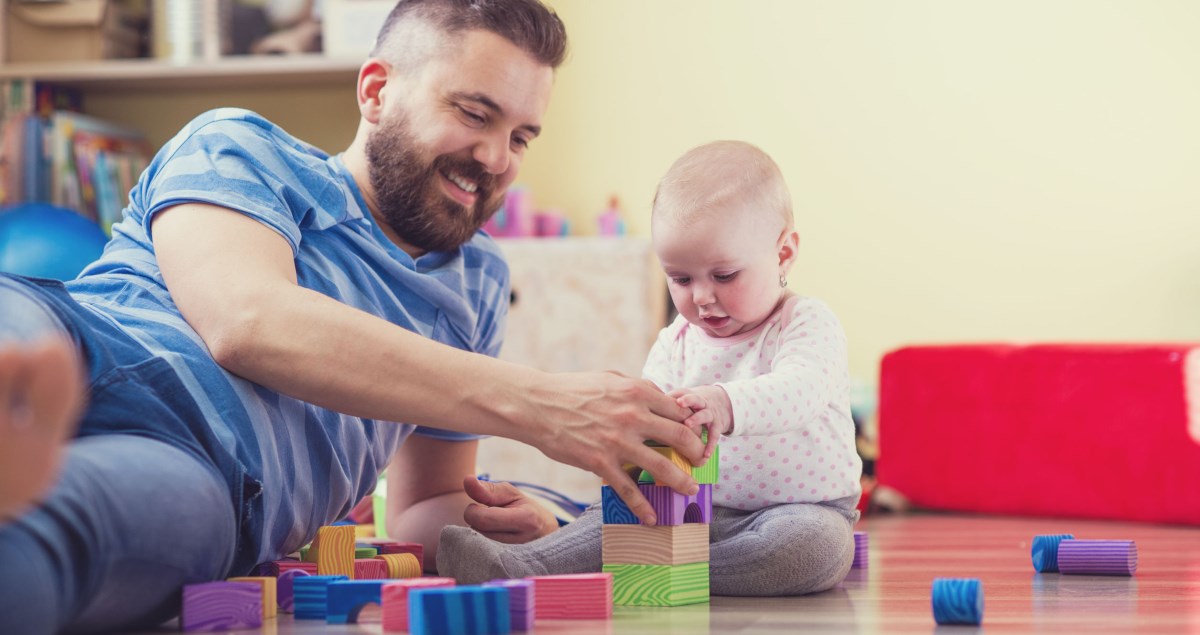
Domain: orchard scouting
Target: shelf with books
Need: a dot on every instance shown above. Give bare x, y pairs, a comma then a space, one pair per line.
148, 75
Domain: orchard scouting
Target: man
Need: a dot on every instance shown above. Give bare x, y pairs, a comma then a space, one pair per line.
262, 315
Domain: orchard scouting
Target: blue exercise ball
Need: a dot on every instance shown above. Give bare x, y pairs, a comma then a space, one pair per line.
44, 241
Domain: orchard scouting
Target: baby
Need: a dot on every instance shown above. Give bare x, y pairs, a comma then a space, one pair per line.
763, 369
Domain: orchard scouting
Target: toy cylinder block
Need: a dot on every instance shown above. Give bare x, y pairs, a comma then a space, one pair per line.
268, 586
579, 596
284, 589
401, 565
415, 548
957, 601
221, 606
465, 610
395, 600
1097, 557
659, 585
660, 544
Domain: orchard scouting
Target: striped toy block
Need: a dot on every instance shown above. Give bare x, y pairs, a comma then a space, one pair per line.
659, 585
370, 569
395, 600
400, 565
706, 474
310, 595
464, 610
660, 544
673, 508
268, 585
284, 590
521, 604
616, 512
333, 551
346, 598
221, 606
577, 596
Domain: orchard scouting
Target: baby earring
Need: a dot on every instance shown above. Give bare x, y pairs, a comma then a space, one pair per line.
782, 281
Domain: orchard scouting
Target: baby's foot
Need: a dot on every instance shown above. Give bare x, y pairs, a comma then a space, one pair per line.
471, 558
41, 395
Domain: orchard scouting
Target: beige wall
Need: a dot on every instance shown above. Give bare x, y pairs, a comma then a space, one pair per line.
962, 170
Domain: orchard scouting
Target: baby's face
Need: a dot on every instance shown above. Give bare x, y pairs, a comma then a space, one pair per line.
722, 269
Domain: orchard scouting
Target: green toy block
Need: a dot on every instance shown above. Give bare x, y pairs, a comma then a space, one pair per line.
703, 475
659, 585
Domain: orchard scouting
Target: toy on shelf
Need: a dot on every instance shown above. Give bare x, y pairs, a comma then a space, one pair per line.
611, 222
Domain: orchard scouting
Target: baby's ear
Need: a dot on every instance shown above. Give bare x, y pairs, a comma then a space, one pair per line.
789, 245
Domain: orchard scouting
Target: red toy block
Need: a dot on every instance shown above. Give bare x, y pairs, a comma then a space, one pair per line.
1093, 431
395, 600
578, 596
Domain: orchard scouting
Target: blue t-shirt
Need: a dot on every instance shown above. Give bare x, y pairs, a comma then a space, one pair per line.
291, 466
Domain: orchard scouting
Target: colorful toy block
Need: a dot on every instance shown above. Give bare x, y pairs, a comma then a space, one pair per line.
579, 596
221, 606
659, 585
660, 544
464, 610
362, 552
333, 551
400, 565
347, 597
415, 548
395, 599
370, 569
673, 508
521, 603
706, 474
287, 565
310, 595
284, 589
269, 605
616, 512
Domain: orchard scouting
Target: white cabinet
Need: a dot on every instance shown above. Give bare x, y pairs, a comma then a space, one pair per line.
586, 303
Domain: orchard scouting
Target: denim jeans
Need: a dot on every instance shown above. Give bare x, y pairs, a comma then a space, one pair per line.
130, 520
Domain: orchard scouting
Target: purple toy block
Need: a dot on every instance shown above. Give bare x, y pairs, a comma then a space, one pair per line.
673, 508
521, 603
283, 589
221, 606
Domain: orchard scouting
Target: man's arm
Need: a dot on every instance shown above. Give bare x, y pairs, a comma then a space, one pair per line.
425, 491
234, 280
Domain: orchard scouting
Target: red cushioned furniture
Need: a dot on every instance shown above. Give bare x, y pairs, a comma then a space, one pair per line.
1087, 431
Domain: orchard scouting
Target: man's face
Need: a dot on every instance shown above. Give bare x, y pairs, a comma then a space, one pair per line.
452, 136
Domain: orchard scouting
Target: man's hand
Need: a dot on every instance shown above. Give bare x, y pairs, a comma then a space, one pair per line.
711, 410
601, 421
504, 514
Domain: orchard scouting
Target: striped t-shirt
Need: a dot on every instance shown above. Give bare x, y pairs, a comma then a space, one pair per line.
291, 466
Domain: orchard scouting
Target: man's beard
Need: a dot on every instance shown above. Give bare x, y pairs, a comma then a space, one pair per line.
410, 195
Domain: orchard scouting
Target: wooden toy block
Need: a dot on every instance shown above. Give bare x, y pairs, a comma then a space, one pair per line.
415, 548
673, 508
310, 595
269, 604
221, 606
395, 600
659, 585
616, 512
660, 544
464, 610
284, 589
370, 569
578, 596
346, 598
400, 565
333, 551
521, 603
706, 474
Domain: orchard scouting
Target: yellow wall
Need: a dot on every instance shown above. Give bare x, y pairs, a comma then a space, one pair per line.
962, 171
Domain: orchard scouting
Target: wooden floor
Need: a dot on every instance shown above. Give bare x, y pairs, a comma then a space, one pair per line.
892, 595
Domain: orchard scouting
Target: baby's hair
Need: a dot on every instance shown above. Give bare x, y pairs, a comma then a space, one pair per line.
715, 176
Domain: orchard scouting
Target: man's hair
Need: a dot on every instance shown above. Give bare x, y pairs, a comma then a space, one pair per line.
528, 24
711, 178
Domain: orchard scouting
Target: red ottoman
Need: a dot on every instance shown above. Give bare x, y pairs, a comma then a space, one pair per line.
1095, 431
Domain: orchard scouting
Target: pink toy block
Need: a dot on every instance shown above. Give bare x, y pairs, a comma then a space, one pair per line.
579, 596
395, 600
370, 569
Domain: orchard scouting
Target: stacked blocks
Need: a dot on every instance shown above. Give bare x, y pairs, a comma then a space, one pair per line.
667, 564
574, 596
221, 606
395, 600
346, 598
466, 610
521, 605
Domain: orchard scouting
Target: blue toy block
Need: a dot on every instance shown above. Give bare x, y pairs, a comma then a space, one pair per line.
463, 610
348, 597
616, 512
311, 595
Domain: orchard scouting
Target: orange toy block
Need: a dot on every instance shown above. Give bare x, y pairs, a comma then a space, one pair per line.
269, 604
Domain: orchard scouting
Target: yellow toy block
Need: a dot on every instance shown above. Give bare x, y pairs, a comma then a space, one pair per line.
269, 603
333, 551
401, 565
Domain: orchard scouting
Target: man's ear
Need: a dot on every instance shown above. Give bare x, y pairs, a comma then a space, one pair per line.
789, 245
372, 78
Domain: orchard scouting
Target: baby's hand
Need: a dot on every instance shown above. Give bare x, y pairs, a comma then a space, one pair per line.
710, 409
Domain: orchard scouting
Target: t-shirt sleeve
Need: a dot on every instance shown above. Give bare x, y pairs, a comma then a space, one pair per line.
659, 363
234, 163
810, 356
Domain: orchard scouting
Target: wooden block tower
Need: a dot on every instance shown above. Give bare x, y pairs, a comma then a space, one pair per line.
667, 564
